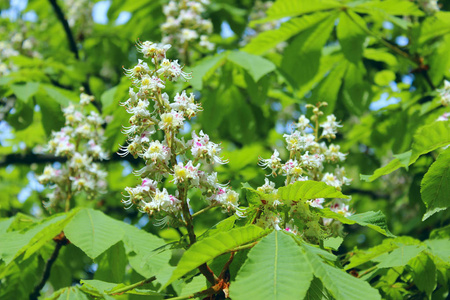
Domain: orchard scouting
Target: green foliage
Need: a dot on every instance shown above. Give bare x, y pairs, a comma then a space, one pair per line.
435, 187
305, 190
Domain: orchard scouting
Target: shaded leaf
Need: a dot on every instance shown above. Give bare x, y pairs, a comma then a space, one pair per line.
435, 186
254, 64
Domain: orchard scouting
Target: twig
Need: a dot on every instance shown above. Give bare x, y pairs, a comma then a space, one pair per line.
30, 158
131, 287
225, 267
416, 60
248, 246
203, 210
60, 15
209, 291
48, 266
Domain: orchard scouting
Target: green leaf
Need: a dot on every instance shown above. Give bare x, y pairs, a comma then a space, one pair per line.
380, 55
435, 186
360, 257
31, 239
384, 77
93, 232
333, 242
267, 40
205, 68
288, 8
371, 219
52, 116
356, 89
61, 96
340, 284
434, 27
69, 293
424, 273
430, 137
108, 97
316, 291
142, 251
276, 268
104, 287
23, 115
440, 248
306, 51
351, 36
401, 160
399, 257
111, 264
392, 7
25, 91
255, 65
309, 189
213, 246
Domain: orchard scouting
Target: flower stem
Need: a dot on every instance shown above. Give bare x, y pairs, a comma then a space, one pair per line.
131, 287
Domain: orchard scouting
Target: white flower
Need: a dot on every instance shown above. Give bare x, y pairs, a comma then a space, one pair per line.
444, 117
444, 93
274, 162
268, 187
333, 154
302, 122
316, 202
157, 152
186, 104
186, 173
171, 120
312, 161
330, 126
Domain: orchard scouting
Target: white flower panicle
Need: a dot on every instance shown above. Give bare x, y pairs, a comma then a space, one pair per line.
152, 110
310, 158
80, 141
185, 25
444, 93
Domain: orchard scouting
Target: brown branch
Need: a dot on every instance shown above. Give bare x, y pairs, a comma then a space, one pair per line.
60, 240
30, 158
70, 39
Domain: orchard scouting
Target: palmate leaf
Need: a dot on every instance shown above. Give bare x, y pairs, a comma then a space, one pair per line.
270, 39
371, 219
340, 284
435, 186
280, 268
427, 138
31, 239
93, 232
288, 8
309, 189
140, 247
360, 257
430, 137
213, 246
399, 257
98, 287
391, 7
276, 268
424, 272
69, 293
351, 37
255, 65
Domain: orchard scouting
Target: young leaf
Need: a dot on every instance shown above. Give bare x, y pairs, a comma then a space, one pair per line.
276, 268
371, 219
435, 186
69, 293
391, 7
93, 232
25, 91
430, 137
213, 246
309, 189
401, 160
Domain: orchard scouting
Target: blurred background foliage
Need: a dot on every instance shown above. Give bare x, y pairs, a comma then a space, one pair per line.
377, 64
